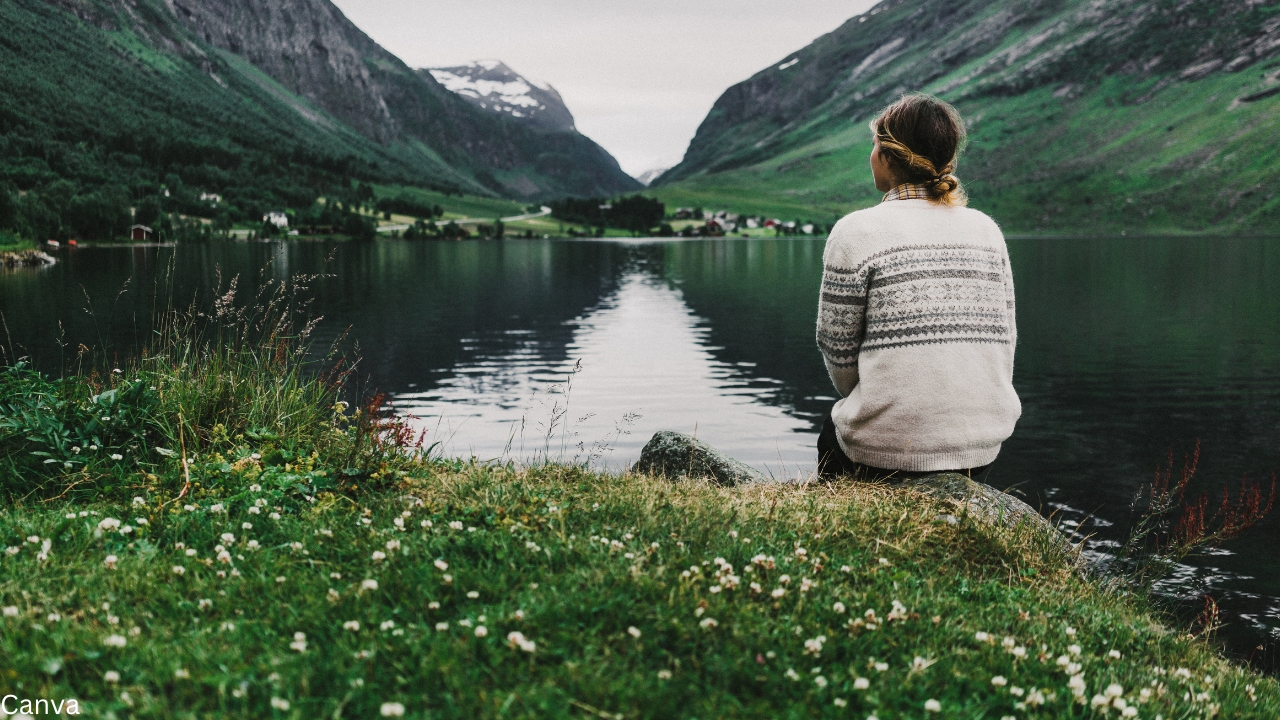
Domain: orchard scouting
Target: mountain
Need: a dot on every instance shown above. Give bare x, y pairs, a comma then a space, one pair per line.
491, 85
647, 177
266, 102
1084, 116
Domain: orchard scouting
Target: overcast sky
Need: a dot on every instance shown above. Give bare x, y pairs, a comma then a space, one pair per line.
638, 76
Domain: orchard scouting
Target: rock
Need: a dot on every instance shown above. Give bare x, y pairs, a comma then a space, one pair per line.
26, 258
983, 503
677, 455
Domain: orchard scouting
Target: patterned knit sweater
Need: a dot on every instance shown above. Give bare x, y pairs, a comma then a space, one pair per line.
916, 323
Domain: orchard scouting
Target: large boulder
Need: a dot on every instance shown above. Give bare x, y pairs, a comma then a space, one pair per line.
677, 455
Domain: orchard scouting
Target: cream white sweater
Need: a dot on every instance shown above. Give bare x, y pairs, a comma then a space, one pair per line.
916, 323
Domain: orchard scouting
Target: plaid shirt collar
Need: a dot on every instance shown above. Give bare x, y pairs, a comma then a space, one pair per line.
907, 191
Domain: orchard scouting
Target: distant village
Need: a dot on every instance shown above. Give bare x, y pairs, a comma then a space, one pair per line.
722, 222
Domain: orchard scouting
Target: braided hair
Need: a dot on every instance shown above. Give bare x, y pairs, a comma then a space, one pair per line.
922, 138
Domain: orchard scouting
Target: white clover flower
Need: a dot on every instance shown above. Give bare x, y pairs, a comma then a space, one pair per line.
1076, 684
791, 673
1114, 690
110, 562
840, 702
1019, 652
464, 622
633, 631
473, 594
111, 676
54, 617
279, 703
820, 681
1114, 654
999, 681
881, 666
981, 636
387, 624
1008, 643
139, 502
255, 488
708, 623
216, 508
861, 683
299, 642
778, 592
253, 545
884, 561
224, 556
442, 626
379, 556
107, 525
455, 525
117, 456
441, 564
392, 709
11, 611
254, 510
114, 641
205, 603
1099, 701
481, 631
228, 538
334, 594
280, 579
399, 523
1073, 649
369, 584
516, 639
189, 508
352, 625
393, 545
179, 570
181, 674
664, 674
274, 516
433, 605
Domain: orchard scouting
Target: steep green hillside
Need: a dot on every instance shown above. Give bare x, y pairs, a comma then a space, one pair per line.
106, 104
1084, 117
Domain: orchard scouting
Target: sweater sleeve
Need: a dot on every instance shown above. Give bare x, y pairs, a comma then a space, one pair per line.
842, 308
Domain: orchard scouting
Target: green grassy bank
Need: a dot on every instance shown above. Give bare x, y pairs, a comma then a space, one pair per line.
210, 533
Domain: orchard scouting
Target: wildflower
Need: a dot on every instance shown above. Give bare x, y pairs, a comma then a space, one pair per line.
1114, 654
707, 623
255, 488
861, 683
274, 516
399, 523
1008, 643
455, 525
1071, 632
279, 703
246, 526
189, 508
1076, 684
1019, 652
664, 674
12, 550
393, 545
1073, 649
117, 456
433, 605
1099, 701
11, 611
54, 617
999, 681
884, 561
181, 673
838, 607
446, 578
352, 625
1016, 691
919, 663
139, 502
442, 626
932, 706
481, 631
216, 508
778, 592
882, 666
111, 676
633, 631
840, 702
190, 552
517, 639
820, 681
255, 510
387, 625
442, 564
473, 594
253, 545
464, 622
107, 525
379, 556
518, 615
110, 562
369, 584
814, 646
1114, 690
224, 556
785, 580
425, 523
114, 641
280, 579
299, 642
179, 570
791, 673
205, 603
392, 709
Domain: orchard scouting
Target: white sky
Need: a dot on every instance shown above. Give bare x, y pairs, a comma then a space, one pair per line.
639, 77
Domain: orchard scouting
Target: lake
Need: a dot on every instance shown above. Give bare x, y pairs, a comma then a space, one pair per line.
579, 350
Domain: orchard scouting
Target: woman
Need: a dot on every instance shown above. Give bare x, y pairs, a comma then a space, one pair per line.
916, 316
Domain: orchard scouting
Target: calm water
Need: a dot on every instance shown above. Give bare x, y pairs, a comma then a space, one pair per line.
582, 349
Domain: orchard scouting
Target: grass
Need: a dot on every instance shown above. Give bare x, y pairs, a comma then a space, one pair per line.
11, 242
249, 546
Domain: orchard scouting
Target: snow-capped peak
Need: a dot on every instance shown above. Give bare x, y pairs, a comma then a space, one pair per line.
492, 86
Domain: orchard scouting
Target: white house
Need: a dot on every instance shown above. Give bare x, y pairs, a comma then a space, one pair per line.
277, 218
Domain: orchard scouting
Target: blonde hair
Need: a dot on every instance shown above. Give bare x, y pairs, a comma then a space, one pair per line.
922, 137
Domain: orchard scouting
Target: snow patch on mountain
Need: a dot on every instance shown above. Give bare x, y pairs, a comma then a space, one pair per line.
492, 86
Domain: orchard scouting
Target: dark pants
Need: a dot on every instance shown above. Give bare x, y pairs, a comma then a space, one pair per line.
833, 463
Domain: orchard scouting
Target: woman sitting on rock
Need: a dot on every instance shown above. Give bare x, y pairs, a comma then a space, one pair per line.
916, 316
